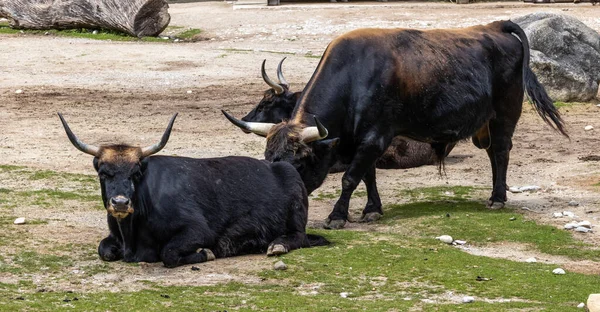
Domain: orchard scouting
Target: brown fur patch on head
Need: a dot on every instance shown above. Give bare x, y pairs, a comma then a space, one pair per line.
119, 154
284, 139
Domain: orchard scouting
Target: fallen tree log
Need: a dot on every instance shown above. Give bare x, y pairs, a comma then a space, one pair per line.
138, 18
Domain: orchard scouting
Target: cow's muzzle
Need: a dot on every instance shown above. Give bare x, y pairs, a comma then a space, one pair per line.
120, 207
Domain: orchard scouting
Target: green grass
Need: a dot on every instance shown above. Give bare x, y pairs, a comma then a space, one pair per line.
438, 213
105, 34
392, 267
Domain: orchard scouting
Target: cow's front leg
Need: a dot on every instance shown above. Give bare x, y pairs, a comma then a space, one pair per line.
363, 161
110, 249
372, 211
185, 248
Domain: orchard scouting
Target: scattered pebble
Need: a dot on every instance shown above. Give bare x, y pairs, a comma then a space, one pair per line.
557, 214
513, 219
570, 226
582, 229
558, 271
529, 188
19, 91
568, 214
581, 305
189, 92
586, 224
279, 265
95, 32
514, 189
195, 268
531, 260
19, 221
468, 299
445, 238
344, 294
164, 38
588, 128
573, 203
459, 242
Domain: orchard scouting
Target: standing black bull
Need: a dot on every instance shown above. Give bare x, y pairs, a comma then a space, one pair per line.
436, 86
278, 103
181, 210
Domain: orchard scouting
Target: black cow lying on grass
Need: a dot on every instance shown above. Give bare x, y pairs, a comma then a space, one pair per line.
181, 210
278, 103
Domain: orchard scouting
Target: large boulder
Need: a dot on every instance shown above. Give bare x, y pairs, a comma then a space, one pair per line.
565, 55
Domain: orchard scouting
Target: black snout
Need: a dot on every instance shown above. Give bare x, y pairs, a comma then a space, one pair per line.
119, 202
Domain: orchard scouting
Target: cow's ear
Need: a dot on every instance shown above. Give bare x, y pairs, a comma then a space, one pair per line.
330, 143
96, 163
144, 163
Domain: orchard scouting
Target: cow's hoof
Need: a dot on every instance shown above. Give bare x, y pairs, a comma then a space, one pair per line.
276, 250
495, 205
370, 217
334, 224
210, 256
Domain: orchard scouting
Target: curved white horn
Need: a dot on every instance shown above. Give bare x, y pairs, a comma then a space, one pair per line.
310, 134
259, 128
276, 87
280, 74
153, 149
88, 149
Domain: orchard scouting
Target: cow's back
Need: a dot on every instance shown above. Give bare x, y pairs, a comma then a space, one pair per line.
226, 198
412, 80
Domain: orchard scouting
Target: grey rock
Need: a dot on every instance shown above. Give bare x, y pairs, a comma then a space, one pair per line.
573, 203
565, 55
279, 265
593, 303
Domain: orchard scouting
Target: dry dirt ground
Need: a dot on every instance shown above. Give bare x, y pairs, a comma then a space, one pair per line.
127, 91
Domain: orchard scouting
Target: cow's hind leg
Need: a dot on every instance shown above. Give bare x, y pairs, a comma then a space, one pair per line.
286, 243
363, 161
181, 250
372, 211
501, 132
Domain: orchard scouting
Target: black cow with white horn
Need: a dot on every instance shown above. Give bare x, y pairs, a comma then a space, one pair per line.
182, 210
437, 86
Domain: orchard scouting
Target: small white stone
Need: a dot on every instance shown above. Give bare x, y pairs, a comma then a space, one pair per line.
445, 238
531, 260
279, 265
514, 189
582, 229
568, 214
581, 305
588, 128
164, 38
529, 188
19, 221
189, 92
557, 214
344, 294
95, 32
598, 105
558, 271
459, 242
586, 224
570, 226
468, 299
19, 91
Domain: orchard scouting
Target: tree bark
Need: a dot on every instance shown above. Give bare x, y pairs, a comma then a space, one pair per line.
138, 18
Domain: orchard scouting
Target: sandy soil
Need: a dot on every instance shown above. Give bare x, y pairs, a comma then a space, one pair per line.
126, 92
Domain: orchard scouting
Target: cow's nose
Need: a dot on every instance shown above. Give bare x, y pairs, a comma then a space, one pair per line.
119, 201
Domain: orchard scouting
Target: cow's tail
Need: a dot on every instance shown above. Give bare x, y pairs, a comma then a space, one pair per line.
317, 240
535, 91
